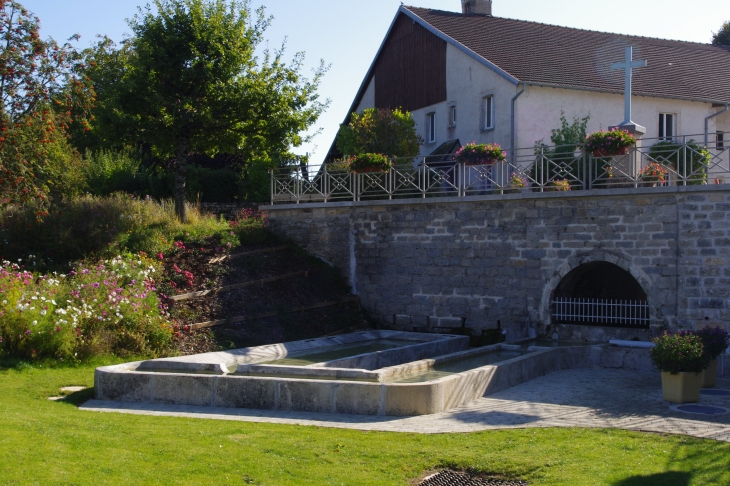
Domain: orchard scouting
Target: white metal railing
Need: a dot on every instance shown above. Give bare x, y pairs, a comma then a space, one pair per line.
686, 161
601, 312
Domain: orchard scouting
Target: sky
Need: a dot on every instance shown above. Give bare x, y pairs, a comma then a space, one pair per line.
346, 34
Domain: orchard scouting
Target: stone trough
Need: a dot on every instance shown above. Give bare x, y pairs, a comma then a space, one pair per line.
389, 373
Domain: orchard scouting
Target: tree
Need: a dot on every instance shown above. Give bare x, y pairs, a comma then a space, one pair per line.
722, 36
193, 84
380, 131
40, 85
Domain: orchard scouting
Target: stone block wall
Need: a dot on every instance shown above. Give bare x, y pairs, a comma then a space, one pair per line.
428, 263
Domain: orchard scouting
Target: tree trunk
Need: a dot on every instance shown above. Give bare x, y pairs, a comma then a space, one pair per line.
181, 168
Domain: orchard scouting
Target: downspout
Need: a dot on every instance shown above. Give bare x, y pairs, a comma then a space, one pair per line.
513, 142
707, 123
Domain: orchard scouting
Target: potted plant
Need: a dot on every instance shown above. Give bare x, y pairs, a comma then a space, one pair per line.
559, 185
715, 341
681, 360
369, 163
480, 154
653, 173
518, 182
609, 143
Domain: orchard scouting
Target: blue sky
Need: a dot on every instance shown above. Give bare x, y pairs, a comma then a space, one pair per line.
347, 33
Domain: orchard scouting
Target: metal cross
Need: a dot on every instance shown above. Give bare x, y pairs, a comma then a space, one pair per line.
628, 65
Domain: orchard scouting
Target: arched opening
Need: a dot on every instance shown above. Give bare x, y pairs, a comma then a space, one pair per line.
602, 294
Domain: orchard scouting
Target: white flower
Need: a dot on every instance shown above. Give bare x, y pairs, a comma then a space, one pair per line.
35, 323
43, 312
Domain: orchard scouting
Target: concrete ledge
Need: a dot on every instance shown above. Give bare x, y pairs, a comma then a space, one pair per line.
593, 193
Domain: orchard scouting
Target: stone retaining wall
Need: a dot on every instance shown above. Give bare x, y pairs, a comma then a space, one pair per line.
427, 263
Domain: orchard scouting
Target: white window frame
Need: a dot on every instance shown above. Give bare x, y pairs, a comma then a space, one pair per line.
667, 126
452, 115
431, 127
488, 112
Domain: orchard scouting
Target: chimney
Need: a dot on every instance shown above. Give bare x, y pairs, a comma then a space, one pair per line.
479, 7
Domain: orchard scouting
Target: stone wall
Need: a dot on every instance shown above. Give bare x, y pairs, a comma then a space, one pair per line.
227, 210
431, 263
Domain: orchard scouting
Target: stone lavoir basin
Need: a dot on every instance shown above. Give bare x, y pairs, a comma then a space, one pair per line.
381, 372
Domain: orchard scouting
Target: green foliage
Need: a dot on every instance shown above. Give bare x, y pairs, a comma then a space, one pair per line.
690, 161
380, 131
107, 171
369, 163
39, 87
100, 308
722, 36
715, 341
674, 353
100, 226
566, 140
189, 81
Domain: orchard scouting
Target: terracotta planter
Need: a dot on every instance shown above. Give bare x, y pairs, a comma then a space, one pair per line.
681, 388
604, 153
709, 375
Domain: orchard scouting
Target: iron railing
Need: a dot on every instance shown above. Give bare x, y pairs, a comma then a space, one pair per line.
601, 312
540, 169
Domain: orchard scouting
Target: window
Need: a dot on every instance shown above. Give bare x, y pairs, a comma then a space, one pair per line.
720, 141
488, 109
666, 126
452, 116
431, 121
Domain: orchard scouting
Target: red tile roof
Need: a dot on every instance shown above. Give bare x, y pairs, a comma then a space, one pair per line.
580, 59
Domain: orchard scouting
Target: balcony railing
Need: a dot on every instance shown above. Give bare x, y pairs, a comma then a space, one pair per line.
536, 169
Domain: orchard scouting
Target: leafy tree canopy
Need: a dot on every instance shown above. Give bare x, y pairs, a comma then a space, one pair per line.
40, 87
189, 81
380, 131
722, 36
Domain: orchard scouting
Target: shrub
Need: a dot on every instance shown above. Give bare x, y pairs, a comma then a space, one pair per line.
379, 130
249, 225
714, 340
689, 160
676, 353
369, 163
478, 154
609, 142
104, 307
101, 226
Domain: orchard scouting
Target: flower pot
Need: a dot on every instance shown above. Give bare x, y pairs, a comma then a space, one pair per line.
479, 162
681, 388
612, 153
709, 375
648, 184
365, 170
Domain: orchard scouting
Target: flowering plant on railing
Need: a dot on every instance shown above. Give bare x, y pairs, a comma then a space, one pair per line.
561, 185
518, 181
609, 143
683, 352
480, 154
369, 163
653, 172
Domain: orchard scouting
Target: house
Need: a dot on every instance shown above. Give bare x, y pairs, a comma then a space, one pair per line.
471, 76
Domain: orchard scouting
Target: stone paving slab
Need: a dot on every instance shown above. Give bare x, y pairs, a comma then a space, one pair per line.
601, 398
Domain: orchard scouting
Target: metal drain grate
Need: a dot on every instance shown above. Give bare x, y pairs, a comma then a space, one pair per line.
453, 478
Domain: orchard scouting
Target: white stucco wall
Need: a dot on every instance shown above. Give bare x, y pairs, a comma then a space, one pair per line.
538, 112
368, 98
467, 83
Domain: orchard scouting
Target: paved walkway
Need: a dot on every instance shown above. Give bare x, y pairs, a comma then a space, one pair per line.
571, 398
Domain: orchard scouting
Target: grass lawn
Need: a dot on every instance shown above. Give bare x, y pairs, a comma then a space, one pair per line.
44, 442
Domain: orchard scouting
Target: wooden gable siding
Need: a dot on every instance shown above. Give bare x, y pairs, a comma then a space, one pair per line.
411, 70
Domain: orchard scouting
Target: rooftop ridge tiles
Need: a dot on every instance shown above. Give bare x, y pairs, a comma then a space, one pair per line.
456, 14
